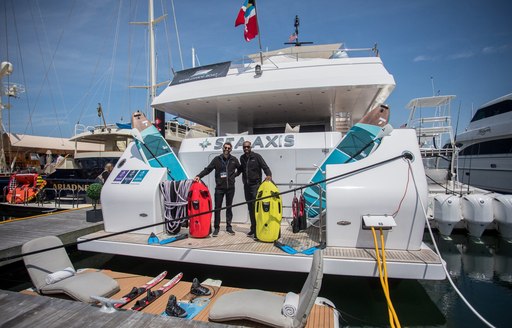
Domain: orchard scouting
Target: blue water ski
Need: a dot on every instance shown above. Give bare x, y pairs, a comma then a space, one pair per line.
358, 143
155, 148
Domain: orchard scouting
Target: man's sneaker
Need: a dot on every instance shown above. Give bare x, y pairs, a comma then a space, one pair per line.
250, 234
198, 290
230, 231
215, 233
173, 309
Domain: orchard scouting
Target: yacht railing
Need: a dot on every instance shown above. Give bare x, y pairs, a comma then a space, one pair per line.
81, 128
246, 61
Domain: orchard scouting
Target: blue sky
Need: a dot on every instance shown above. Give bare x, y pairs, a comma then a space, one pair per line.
72, 55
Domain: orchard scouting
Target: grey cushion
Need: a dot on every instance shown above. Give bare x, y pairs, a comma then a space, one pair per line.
265, 307
255, 305
84, 285
80, 286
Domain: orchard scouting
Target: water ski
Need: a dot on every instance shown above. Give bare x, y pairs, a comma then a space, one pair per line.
199, 201
269, 212
359, 142
155, 148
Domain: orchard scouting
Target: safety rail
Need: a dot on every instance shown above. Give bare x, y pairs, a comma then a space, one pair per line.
299, 53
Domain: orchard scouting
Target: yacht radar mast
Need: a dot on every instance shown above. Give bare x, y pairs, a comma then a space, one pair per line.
295, 35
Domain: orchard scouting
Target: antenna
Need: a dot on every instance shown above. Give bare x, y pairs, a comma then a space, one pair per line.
295, 36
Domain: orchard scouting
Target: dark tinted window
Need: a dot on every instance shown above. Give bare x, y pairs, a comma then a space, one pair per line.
492, 110
502, 146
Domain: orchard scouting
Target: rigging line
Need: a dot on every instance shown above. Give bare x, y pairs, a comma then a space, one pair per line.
93, 80
88, 96
53, 67
45, 79
409, 172
29, 121
443, 263
8, 99
177, 33
114, 52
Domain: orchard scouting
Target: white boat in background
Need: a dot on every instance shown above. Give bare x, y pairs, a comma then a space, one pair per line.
430, 117
453, 204
485, 156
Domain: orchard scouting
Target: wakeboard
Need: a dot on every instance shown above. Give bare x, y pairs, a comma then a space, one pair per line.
199, 201
359, 142
268, 212
155, 148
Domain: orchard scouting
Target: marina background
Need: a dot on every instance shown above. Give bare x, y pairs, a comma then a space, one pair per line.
72, 55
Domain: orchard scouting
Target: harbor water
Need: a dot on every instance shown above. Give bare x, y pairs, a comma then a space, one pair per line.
481, 269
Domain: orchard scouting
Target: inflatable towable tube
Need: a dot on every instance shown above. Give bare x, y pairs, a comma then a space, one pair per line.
269, 212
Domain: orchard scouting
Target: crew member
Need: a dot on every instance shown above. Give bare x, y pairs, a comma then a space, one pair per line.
226, 167
251, 166
106, 172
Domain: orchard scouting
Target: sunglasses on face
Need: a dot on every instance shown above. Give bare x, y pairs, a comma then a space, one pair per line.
227, 148
246, 147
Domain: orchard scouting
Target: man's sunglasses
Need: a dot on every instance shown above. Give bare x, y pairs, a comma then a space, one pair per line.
227, 148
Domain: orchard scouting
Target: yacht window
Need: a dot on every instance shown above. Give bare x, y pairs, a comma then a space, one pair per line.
493, 147
492, 110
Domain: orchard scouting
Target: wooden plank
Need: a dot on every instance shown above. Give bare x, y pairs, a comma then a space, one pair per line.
18, 310
304, 239
67, 225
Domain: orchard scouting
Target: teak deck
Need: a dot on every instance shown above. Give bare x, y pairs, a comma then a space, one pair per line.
320, 316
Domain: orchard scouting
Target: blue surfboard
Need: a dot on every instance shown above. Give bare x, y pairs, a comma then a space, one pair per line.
155, 148
357, 144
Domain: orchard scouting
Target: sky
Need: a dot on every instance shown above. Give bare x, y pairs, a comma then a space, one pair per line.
71, 55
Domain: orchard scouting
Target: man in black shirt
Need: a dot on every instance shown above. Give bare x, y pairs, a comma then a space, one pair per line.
251, 165
226, 167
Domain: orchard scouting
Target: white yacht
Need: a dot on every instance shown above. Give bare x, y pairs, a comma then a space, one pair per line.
294, 105
485, 156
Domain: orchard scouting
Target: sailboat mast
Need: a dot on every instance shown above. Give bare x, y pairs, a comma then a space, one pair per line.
152, 64
5, 69
158, 116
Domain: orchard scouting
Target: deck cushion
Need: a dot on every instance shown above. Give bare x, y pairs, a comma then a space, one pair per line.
255, 305
266, 307
80, 286
84, 285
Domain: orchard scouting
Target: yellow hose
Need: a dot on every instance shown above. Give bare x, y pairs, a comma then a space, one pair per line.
381, 265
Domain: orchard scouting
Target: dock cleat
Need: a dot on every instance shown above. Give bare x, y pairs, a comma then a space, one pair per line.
199, 290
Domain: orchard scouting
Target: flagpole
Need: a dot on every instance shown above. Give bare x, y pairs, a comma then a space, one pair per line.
259, 31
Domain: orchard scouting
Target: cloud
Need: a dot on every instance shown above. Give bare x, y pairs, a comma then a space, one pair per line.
421, 58
493, 49
461, 55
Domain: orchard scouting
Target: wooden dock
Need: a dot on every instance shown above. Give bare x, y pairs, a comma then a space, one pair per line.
20, 310
68, 225
28, 309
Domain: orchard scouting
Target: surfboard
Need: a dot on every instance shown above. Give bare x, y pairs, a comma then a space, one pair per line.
268, 212
155, 148
359, 142
199, 201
